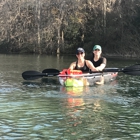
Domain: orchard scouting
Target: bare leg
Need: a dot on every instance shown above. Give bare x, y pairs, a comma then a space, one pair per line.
101, 81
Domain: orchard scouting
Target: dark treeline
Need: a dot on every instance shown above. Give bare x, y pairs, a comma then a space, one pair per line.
60, 26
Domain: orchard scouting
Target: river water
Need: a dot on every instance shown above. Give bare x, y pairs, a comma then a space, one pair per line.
43, 109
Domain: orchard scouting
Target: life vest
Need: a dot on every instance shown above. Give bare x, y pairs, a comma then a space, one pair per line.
70, 72
65, 74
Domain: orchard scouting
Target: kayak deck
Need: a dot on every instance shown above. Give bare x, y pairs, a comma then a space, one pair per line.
86, 79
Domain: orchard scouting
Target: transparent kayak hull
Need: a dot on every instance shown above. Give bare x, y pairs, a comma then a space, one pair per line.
86, 79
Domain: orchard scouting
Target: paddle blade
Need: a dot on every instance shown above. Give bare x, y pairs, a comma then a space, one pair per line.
32, 75
132, 70
51, 72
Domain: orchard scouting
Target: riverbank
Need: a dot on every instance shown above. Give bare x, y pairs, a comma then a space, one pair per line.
107, 55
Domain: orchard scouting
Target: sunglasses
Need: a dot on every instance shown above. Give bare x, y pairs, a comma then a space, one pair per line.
79, 53
96, 50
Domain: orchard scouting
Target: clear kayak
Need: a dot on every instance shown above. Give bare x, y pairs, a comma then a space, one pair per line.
76, 78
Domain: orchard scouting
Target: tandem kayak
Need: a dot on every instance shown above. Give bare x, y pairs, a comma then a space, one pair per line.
76, 78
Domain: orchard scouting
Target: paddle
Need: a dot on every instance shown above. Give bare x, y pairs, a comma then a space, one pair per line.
131, 70
32, 75
50, 71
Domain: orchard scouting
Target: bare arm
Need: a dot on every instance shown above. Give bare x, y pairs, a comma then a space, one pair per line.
91, 66
103, 65
72, 65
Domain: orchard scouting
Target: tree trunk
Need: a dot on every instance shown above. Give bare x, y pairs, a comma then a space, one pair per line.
38, 25
104, 19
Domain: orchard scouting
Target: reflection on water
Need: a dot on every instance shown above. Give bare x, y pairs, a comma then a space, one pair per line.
42, 109
74, 95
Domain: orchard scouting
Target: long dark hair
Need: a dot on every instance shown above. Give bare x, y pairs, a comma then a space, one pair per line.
92, 56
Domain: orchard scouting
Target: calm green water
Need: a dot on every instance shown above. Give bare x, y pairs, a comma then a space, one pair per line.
42, 109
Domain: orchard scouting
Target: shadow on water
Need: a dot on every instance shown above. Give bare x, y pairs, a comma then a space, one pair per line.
53, 81
42, 82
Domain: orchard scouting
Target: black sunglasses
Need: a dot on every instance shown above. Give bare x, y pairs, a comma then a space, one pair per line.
96, 50
79, 53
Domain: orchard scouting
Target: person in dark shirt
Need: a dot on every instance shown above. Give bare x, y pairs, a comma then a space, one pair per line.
82, 64
98, 61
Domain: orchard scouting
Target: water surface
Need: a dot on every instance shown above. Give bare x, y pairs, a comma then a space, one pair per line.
42, 109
